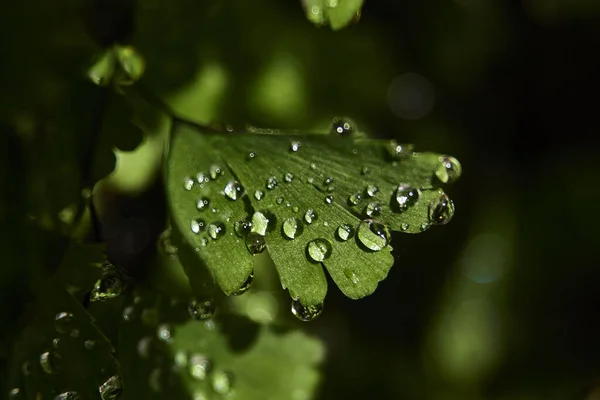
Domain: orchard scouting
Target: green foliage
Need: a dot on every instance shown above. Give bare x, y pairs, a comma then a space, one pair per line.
335, 13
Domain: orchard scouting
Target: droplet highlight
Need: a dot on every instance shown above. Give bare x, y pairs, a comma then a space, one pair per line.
306, 313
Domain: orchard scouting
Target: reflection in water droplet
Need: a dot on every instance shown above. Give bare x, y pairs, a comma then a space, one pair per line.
111, 389
329, 199
245, 286
216, 230
233, 190
163, 332
319, 249
242, 228
62, 322
373, 209
67, 396
255, 243
310, 216
203, 204
371, 190
292, 228
288, 177
351, 275
306, 313
373, 235
49, 360
354, 199
89, 344
448, 170
201, 309
406, 197
398, 151
259, 194
198, 365
345, 232
111, 284
222, 382
198, 225
441, 211
271, 183
295, 146
188, 183
341, 126
215, 171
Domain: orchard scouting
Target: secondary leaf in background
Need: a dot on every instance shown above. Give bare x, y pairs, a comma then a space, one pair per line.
234, 194
335, 13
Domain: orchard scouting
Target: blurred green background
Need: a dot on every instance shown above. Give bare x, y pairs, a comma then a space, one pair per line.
502, 303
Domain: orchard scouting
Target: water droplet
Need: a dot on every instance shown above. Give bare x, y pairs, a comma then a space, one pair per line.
14, 393
111, 284
245, 286
67, 396
295, 146
279, 200
198, 225
62, 322
201, 309
203, 204
259, 194
242, 228
222, 382
397, 150
111, 389
441, 211
404, 227
216, 230
188, 183
373, 209
288, 177
371, 190
56, 343
341, 126
263, 222
365, 170
165, 245
89, 344
330, 188
201, 178
292, 228
329, 199
49, 361
424, 226
233, 190
373, 235
313, 166
198, 366
310, 180
272, 183
251, 155
319, 249
351, 275
215, 171
311, 216
345, 232
163, 332
306, 313
255, 243
448, 170
406, 196
354, 199
328, 181
295, 209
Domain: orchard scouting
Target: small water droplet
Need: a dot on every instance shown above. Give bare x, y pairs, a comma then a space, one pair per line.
404, 227
89, 344
233, 190
295, 146
365, 170
215, 171
406, 196
351, 275
14, 393
292, 228
216, 230
201, 309
202, 178
271, 183
342, 126
371, 190
313, 166
448, 170
242, 228
49, 361
222, 382
56, 343
188, 183
62, 322
198, 365
245, 286
306, 313
345, 232
441, 211
329, 199
319, 249
328, 181
310, 180
354, 199
113, 282
111, 389
424, 226
279, 200
71, 395
397, 150
198, 225
203, 204
295, 209
373, 209
255, 243
311, 216
163, 332
251, 155
288, 177
330, 188
259, 194
373, 235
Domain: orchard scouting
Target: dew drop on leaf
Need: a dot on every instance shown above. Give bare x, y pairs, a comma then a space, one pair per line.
310, 216
111, 389
365, 170
67, 396
328, 181
371, 190
406, 196
372, 209
341, 126
288, 177
373, 235
397, 150
14, 393
216, 230
271, 183
215, 171
111, 284
62, 322
292, 228
89, 344
329, 199
201, 309
441, 211
306, 313
222, 382
279, 200
56, 343
201, 178
404, 227
188, 183
255, 243
198, 366
203, 204
352, 276
251, 155
233, 190
198, 225
242, 228
263, 222
345, 232
448, 170
295, 146
163, 332
319, 249
259, 194
245, 286
354, 199
48, 361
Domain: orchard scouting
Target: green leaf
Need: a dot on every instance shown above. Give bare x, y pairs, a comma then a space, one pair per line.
311, 200
335, 13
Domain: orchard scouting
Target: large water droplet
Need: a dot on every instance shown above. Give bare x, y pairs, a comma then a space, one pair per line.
233, 190
352, 276
198, 365
319, 249
198, 225
295, 146
306, 313
263, 222
397, 150
406, 196
215, 171
62, 322
292, 228
203, 204
271, 183
311, 216
188, 183
242, 228
222, 382
342, 126
201, 309
67, 396
49, 361
164, 332
245, 286
448, 170
441, 211
255, 243
373, 209
111, 389
288, 177
373, 235
345, 232
216, 230
371, 190
354, 199
111, 284
259, 194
